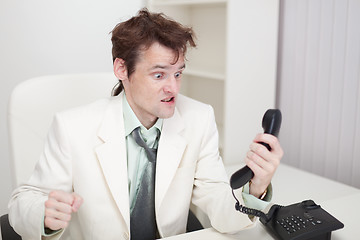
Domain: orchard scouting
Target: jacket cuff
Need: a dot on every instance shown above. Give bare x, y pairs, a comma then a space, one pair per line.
251, 201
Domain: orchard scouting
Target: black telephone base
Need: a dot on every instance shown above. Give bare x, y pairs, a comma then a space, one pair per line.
301, 221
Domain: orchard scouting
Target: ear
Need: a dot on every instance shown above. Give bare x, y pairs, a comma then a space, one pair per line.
120, 69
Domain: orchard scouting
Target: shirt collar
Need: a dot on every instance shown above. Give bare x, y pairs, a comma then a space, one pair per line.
131, 121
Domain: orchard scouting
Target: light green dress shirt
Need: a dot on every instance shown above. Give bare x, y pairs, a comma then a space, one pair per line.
136, 156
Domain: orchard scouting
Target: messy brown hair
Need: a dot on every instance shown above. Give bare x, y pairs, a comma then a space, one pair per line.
138, 33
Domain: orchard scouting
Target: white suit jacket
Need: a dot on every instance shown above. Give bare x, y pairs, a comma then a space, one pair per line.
85, 152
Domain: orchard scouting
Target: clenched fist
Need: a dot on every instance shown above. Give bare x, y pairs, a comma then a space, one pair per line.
59, 207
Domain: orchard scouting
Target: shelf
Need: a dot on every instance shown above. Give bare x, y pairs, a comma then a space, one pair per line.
186, 2
203, 74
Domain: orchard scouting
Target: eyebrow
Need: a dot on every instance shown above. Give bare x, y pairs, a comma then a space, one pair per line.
165, 67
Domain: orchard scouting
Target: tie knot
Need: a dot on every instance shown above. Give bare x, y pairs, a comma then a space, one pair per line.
138, 138
150, 152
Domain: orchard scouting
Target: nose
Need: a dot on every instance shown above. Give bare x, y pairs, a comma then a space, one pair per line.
172, 85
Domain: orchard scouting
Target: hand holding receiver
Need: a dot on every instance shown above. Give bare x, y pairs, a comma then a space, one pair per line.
271, 123
59, 207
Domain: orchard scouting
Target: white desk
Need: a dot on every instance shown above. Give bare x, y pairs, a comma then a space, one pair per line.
292, 185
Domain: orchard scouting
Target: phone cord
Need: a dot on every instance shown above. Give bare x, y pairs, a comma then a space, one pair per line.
255, 212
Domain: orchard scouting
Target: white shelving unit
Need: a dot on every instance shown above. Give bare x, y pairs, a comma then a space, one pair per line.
234, 61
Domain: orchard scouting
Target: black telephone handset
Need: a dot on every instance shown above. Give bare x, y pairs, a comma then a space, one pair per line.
271, 123
300, 221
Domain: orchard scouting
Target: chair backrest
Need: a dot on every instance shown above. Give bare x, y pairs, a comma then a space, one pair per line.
32, 106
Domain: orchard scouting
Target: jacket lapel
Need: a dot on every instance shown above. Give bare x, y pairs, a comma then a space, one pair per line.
170, 151
112, 156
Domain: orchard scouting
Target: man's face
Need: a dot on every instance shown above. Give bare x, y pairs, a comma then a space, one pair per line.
153, 87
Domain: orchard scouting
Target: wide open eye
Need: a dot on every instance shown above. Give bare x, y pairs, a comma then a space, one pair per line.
158, 75
178, 74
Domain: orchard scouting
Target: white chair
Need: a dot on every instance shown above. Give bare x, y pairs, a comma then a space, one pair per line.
31, 108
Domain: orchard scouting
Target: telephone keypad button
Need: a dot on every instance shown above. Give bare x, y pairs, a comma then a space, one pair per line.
293, 224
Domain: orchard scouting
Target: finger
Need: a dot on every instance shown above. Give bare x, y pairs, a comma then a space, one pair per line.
58, 206
62, 196
55, 224
260, 150
262, 163
265, 159
52, 213
262, 176
78, 200
272, 156
254, 162
269, 139
257, 170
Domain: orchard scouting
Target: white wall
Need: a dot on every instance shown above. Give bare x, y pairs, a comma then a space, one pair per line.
41, 37
251, 72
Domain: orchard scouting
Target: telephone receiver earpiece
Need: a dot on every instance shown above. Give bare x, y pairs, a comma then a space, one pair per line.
271, 123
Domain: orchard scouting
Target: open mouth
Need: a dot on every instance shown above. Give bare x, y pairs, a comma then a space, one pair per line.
168, 99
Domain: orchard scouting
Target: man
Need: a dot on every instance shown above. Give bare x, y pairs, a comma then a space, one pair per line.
89, 177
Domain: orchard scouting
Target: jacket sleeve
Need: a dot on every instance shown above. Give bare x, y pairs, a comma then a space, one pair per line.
53, 171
